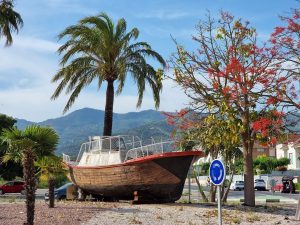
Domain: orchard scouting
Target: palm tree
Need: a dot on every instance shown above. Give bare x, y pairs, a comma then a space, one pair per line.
97, 49
51, 166
26, 147
10, 20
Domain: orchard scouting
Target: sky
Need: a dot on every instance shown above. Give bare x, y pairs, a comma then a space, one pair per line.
26, 68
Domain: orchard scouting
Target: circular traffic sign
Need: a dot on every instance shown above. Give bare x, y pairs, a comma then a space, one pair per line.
217, 172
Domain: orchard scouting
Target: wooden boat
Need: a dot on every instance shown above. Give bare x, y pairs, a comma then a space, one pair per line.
110, 167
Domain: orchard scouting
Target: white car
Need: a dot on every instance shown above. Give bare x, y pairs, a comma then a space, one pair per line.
260, 185
237, 185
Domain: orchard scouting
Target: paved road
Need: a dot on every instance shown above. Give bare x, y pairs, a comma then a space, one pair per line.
39, 195
237, 195
195, 195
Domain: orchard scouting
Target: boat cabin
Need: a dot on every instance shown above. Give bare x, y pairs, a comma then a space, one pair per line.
102, 150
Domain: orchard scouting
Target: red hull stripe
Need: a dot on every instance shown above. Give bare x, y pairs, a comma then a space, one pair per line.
144, 159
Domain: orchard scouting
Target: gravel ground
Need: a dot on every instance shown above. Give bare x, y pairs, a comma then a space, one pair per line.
170, 214
123, 213
64, 213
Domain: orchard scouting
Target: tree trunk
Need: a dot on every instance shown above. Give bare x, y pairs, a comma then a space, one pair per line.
213, 193
30, 184
51, 183
200, 189
225, 195
109, 105
249, 193
248, 142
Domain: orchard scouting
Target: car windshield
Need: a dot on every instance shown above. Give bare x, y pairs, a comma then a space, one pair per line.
239, 182
65, 186
259, 180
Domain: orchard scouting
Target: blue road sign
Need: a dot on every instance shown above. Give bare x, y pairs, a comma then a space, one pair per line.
217, 172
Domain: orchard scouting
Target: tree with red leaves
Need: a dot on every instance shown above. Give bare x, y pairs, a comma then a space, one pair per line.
231, 74
286, 40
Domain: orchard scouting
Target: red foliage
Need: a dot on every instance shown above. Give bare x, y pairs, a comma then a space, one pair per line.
278, 30
272, 100
269, 126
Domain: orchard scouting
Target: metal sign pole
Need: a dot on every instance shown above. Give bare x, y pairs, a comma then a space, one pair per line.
189, 189
217, 174
219, 205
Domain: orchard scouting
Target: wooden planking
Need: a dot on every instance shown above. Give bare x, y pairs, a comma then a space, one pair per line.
161, 180
140, 174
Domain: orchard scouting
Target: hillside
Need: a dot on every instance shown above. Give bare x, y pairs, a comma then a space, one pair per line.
75, 127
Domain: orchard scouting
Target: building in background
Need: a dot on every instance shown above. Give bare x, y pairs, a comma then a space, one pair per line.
290, 148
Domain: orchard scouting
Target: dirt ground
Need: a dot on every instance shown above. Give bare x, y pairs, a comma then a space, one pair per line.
92, 213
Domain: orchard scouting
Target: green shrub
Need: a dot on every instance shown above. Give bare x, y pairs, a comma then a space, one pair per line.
283, 162
297, 186
266, 164
204, 168
59, 181
2, 181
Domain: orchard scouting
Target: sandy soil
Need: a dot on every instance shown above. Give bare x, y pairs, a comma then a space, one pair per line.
92, 213
64, 213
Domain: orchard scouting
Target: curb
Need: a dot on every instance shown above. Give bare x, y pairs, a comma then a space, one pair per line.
267, 200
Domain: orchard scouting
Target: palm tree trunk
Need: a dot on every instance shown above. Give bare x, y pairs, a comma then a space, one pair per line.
109, 105
51, 183
30, 184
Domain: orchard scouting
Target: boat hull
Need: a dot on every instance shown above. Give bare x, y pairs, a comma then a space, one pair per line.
157, 178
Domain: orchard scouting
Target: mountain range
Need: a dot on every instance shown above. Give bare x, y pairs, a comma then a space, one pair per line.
77, 126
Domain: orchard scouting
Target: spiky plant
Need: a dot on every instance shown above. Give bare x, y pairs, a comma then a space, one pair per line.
10, 20
98, 50
26, 147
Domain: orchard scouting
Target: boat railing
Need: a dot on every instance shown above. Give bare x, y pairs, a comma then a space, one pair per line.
156, 148
66, 158
109, 144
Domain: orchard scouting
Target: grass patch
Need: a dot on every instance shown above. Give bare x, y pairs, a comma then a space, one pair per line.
12, 199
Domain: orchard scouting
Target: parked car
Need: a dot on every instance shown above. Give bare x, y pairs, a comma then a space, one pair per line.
278, 187
287, 185
13, 187
259, 184
237, 185
59, 193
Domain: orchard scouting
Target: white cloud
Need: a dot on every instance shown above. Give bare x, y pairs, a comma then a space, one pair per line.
164, 14
28, 62
35, 44
72, 6
34, 104
26, 69
164, 32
